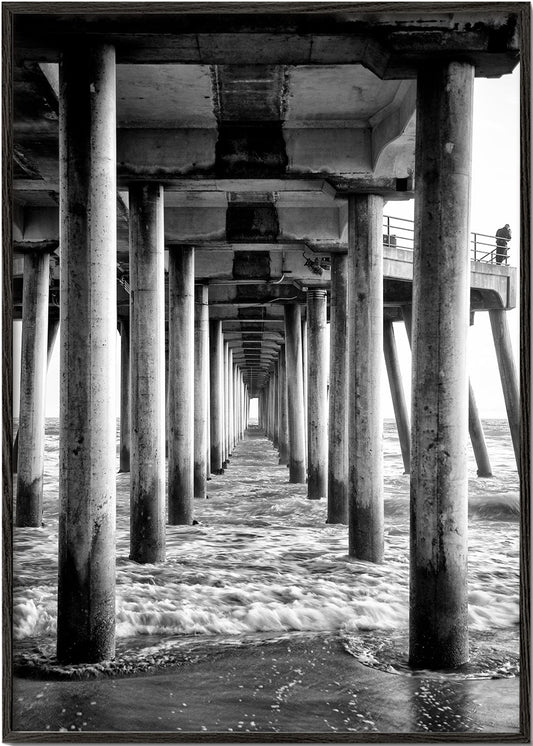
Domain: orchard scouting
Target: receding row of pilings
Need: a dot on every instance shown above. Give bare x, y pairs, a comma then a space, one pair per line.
439, 426
443, 406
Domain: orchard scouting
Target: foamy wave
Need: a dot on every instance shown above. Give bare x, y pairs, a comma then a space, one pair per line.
35, 615
262, 560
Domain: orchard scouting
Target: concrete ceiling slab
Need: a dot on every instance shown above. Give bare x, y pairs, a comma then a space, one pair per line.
346, 95
164, 96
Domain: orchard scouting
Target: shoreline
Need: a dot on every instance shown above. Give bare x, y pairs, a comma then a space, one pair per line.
298, 686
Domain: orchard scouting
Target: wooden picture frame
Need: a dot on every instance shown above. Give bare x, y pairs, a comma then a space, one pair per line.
12, 13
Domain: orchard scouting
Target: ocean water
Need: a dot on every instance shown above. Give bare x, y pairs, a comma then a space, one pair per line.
262, 565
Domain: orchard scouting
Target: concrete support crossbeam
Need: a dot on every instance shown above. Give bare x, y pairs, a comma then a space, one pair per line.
32, 391
147, 320
317, 395
365, 345
439, 484
181, 387
87, 125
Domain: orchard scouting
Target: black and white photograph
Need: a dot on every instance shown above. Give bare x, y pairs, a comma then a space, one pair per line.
265, 381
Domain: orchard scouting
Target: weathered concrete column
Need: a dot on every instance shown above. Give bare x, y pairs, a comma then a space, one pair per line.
125, 392
441, 289
225, 355
53, 328
181, 387
216, 404
32, 390
304, 374
87, 441
236, 404
208, 410
338, 394
475, 427
317, 395
147, 336
275, 402
201, 388
231, 419
508, 376
365, 345
477, 436
295, 393
397, 394
283, 406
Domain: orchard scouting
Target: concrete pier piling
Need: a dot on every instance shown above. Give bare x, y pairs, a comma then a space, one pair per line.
147, 320
439, 485
304, 374
338, 394
275, 405
231, 422
227, 448
269, 174
224, 396
53, 328
477, 436
508, 375
125, 393
216, 403
30, 453
475, 427
295, 393
317, 395
87, 471
181, 387
201, 387
397, 394
283, 407
365, 346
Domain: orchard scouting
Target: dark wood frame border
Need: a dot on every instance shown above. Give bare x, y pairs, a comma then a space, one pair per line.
9, 11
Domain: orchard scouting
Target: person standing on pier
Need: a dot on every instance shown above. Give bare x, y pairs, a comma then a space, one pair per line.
503, 235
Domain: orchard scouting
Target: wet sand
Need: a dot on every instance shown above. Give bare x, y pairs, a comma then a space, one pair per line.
297, 686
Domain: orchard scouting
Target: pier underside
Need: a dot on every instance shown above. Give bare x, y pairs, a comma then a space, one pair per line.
213, 184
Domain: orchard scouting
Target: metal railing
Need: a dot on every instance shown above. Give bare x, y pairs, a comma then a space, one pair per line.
399, 233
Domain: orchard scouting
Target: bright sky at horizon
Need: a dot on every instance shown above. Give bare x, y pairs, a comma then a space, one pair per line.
495, 201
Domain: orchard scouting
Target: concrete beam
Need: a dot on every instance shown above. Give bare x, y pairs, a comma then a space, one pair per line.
391, 44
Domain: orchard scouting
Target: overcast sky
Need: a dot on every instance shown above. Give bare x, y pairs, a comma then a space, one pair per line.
495, 201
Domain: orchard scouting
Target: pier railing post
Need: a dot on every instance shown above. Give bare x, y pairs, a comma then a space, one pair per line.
87, 440
181, 386
365, 350
439, 484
